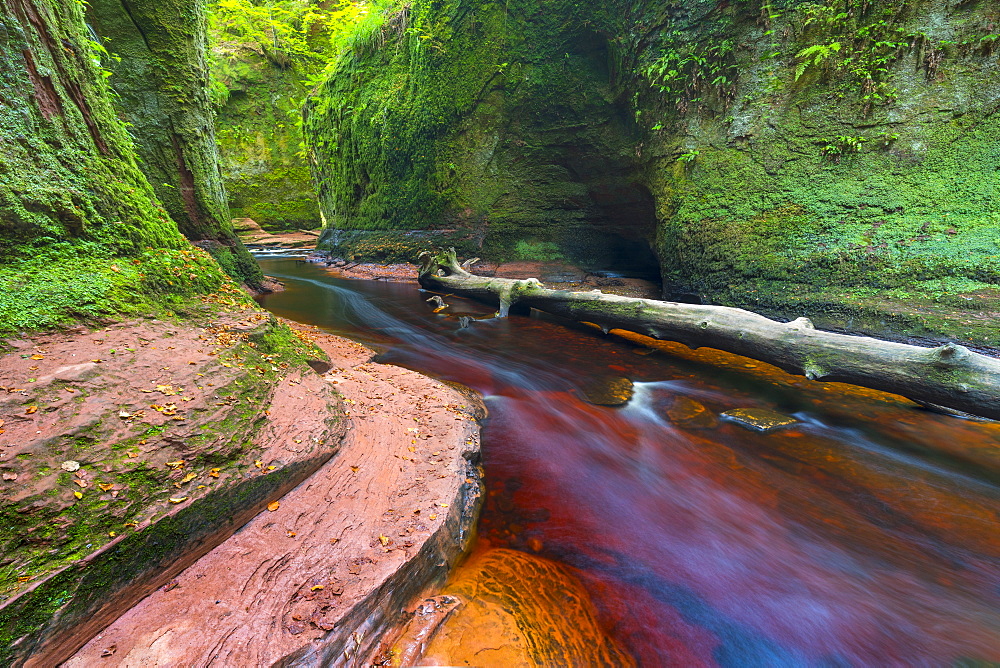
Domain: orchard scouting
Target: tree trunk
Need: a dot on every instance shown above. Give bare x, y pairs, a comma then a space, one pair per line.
949, 375
160, 76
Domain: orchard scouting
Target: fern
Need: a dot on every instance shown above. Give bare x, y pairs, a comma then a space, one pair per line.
814, 56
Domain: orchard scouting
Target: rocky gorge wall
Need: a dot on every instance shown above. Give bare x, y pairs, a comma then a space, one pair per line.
154, 54
835, 159
82, 235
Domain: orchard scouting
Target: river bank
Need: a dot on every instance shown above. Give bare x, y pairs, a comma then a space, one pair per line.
132, 453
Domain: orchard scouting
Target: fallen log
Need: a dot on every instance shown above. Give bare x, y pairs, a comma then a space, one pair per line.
949, 375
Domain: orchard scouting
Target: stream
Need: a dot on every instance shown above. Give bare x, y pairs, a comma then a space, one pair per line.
866, 534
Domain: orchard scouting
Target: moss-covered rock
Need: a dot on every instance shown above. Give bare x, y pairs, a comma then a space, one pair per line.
780, 155
263, 62
263, 166
154, 52
130, 465
82, 235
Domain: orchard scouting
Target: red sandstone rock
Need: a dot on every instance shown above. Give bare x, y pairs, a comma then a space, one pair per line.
316, 579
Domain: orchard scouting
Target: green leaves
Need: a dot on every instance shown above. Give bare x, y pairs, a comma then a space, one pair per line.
814, 56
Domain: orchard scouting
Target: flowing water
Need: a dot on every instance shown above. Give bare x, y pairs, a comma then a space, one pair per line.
867, 534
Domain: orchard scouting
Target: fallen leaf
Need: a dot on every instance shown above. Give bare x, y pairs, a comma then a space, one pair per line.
112, 534
31, 409
274, 505
291, 534
106, 487
355, 468
383, 539
124, 415
132, 455
259, 464
173, 584
176, 465
9, 475
316, 588
109, 651
24, 578
433, 517
114, 493
78, 495
271, 468
179, 499
37, 357
214, 473
96, 361
189, 477
81, 483
69, 389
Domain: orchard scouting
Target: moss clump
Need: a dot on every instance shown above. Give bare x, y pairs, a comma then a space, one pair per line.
65, 283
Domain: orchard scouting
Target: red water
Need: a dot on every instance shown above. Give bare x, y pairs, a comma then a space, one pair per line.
868, 534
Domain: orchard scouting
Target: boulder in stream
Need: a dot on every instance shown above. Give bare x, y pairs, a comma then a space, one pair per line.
759, 419
608, 391
686, 412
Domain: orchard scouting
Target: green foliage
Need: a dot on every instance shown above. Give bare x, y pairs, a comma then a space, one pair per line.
686, 72
814, 56
288, 32
264, 60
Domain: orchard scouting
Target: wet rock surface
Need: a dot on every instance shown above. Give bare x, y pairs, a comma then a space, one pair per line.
515, 609
686, 412
759, 419
313, 578
608, 391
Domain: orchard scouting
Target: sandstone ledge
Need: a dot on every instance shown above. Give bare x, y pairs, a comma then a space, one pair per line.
130, 451
315, 581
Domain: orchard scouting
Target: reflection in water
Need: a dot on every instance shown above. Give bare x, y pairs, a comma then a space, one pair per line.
865, 535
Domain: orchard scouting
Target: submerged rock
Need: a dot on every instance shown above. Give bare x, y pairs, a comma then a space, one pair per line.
759, 419
508, 608
686, 412
608, 391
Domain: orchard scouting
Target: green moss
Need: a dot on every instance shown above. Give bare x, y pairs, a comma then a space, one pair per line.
78, 591
761, 148
65, 283
159, 75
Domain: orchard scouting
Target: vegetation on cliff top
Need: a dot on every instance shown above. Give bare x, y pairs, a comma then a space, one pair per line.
264, 59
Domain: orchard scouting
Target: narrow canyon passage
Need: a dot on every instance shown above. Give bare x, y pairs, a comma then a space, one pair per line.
865, 534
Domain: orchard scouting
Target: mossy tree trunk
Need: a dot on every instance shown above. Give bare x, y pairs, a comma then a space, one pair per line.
950, 375
161, 78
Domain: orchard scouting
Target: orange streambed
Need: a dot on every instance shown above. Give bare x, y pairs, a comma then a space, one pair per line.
866, 534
